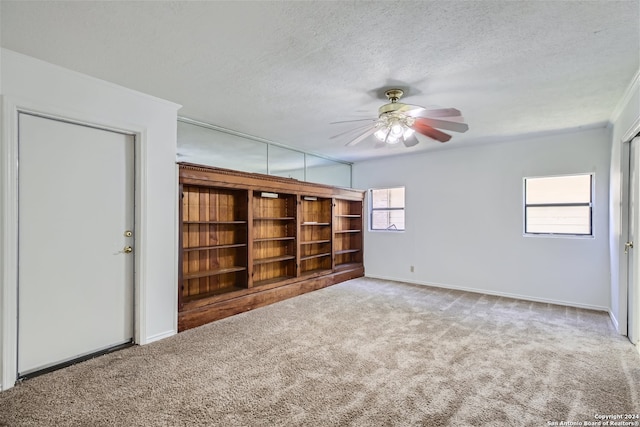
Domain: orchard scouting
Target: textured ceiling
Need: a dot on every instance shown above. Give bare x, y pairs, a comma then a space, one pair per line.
284, 70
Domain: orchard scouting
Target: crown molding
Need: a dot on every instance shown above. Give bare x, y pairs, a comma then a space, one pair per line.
633, 86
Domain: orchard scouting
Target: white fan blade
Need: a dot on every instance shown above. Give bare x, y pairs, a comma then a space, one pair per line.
426, 130
445, 124
417, 111
362, 136
458, 119
351, 121
356, 129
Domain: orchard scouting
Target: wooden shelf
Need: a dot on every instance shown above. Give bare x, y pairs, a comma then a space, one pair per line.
273, 259
349, 216
272, 280
216, 272
315, 242
316, 271
214, 222
315, 223
191, 298
348, 265
206, 248
304, 258
273, 239
347, 251
347, 231
278, 218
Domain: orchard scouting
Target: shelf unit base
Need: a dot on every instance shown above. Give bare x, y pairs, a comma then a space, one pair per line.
236, 303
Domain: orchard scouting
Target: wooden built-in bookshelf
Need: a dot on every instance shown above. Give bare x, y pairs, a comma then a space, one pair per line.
248, 240
274, 237
347, 237
315, 235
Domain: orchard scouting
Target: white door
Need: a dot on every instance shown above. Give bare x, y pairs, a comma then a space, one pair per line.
75, 280
633, 257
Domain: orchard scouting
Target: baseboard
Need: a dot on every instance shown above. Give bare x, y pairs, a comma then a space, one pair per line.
495, 293
614, 321
160, 336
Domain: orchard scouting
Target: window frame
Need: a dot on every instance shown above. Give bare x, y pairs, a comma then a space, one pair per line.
590, 205
372, 210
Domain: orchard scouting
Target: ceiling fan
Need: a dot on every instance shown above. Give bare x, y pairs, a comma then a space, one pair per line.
399, 122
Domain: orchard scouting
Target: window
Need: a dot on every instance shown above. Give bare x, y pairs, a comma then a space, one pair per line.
558, 205
386, 209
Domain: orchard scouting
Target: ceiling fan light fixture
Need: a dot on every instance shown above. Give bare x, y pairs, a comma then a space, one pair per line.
382, 133
408, 132
396, 129
392, 139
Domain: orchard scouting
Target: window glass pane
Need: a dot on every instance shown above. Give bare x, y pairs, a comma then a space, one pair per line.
387, 220
559, 220
396, 197
380, 198
559, 189
388, 198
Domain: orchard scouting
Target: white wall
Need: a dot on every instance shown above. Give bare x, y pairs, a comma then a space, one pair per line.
464, 220
625, 124
30, 84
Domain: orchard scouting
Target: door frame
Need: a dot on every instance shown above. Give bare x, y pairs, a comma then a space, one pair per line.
11, 108
623, 238
628, 260
624, 316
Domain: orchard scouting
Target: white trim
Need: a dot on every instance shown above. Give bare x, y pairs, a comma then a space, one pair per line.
495, 293
626, 96
11, 106
623, 264
632, 289
161, 336
592, 205
140, 295
614, 320
9, 243
370, 210
176, 252
625, 182
633, 130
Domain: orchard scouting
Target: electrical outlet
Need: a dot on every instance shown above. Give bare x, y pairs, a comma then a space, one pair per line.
411, 268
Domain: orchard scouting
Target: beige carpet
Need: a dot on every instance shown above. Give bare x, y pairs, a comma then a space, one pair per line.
362, 353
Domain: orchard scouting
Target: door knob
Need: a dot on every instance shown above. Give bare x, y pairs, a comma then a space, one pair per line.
627, 246
127, 249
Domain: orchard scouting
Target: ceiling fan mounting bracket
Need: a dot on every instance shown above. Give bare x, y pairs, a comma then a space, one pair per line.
394, 95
